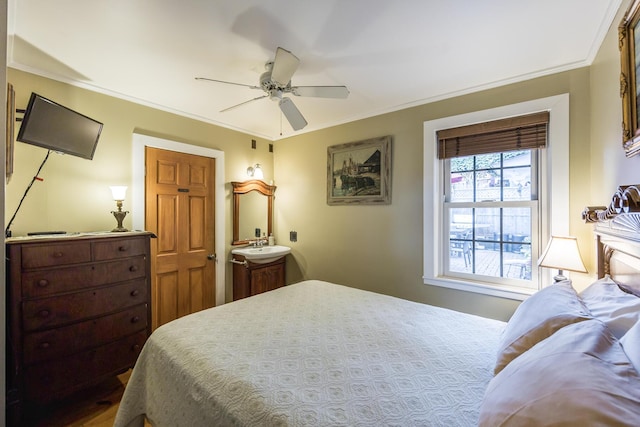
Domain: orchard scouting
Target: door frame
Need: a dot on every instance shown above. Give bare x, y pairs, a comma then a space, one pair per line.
138, 194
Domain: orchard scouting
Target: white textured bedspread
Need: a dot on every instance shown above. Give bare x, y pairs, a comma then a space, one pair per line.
314, 354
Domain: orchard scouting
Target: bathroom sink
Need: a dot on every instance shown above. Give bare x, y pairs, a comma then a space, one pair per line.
263, 254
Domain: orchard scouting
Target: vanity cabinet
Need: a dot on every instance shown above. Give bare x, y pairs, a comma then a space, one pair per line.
78, 312
250, 278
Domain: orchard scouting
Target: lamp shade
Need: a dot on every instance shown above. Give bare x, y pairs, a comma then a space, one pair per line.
257, 172
562, 253
118, 192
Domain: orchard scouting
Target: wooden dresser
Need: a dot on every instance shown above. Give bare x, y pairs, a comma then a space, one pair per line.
78, 312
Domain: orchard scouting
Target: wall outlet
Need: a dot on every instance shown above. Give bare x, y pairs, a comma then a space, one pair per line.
293, 236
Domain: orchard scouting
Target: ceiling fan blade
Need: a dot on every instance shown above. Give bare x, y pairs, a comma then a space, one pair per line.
285, 64
293, 115
321, 91
242, 103
229, 83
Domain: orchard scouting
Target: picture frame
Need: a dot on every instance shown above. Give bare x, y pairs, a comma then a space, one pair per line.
10, 131
629, 84
359, 172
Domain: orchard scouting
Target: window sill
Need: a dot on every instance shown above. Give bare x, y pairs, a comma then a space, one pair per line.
509, 292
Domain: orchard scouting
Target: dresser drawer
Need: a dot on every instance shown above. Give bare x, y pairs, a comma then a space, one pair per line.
55, 379
47, 282
118, 248
77, 313
53, 343
47, 255
69, 308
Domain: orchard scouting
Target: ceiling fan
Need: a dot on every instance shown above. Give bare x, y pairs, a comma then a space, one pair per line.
276, 81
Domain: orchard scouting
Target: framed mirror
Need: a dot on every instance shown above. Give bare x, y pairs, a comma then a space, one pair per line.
252, 209
629, 85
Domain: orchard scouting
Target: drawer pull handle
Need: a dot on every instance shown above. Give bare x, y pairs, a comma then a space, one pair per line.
43, 283
133, 268
135, 319
123, 248
135, 293
44, 345
44, 313
58, 254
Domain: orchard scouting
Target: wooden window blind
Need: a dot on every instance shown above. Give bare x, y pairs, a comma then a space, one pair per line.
515, 133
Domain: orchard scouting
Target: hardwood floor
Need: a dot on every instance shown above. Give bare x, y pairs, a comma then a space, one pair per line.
94, 407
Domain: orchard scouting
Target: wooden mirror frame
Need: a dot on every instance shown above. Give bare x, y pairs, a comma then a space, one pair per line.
240, 188
629, 84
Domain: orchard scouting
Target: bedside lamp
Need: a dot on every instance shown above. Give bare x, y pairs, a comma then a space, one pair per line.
562, 253
118, 193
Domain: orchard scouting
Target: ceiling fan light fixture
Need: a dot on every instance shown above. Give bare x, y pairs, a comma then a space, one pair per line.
276, 82
275, 95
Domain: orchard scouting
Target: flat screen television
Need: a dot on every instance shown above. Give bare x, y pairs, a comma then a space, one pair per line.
50, 125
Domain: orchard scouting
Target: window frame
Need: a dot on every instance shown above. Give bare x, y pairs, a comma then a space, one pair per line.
532, 205
556, 197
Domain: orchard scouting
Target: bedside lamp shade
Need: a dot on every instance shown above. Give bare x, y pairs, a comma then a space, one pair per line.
118, 192
562, 253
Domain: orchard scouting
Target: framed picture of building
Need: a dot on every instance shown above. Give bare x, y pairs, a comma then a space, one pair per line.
628, 33
359, 172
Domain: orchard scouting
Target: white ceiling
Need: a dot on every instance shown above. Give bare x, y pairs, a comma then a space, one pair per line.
391, 54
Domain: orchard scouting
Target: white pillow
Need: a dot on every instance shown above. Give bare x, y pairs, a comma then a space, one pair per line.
631, 345
580, 376
537, 318
618, 309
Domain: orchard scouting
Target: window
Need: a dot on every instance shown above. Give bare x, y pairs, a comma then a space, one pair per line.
489, 216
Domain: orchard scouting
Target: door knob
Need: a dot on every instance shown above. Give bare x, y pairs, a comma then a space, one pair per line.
211, 256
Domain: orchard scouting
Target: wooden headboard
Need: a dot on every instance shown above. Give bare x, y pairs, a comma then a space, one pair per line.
617, 230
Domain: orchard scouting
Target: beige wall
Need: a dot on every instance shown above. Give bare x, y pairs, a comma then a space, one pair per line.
608, 164
380, 247
377, 248
75, 195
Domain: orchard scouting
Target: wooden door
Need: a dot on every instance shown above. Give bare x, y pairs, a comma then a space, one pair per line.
180, 211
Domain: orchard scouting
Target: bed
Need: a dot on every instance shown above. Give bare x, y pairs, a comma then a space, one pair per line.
323, 354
